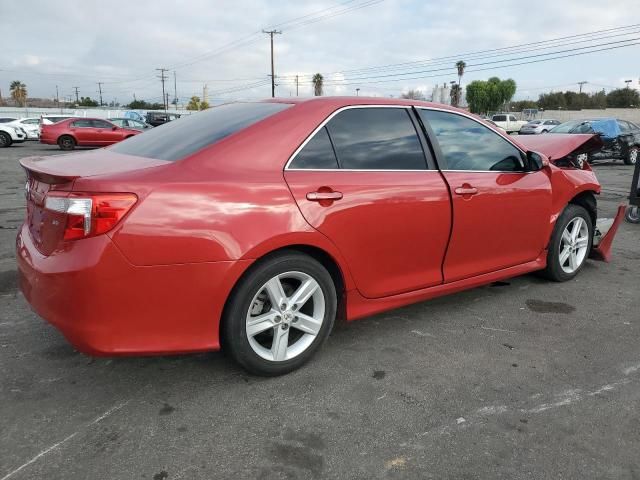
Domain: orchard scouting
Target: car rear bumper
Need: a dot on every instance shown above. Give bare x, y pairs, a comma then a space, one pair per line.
104, 305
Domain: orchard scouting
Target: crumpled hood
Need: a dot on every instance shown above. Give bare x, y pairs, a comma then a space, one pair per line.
558, 145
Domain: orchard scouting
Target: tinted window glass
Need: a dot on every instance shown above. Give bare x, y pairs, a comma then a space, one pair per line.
512, 118
82, 124
175, 140
317, 153
101, 124
499, 118
376, 139
468, 145
582, 128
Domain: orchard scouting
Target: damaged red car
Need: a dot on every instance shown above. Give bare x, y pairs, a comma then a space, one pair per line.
254, 226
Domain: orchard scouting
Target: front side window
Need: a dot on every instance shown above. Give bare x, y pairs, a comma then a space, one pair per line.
469, 145
512, 118
316, 154
376, 139
101, 124
82, 124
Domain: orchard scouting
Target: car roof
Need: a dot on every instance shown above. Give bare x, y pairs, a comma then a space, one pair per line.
339, 102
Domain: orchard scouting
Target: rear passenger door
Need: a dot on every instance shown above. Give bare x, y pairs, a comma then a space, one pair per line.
363, 180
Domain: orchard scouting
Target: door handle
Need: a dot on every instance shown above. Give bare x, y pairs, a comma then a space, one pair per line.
466, 190
323, 196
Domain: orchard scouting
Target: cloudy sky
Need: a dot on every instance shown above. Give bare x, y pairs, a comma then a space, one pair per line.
382, 47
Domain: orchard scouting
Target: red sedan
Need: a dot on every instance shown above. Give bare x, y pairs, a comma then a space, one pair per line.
84, 132
253, 226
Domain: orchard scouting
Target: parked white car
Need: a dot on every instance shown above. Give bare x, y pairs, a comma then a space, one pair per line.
51, 119
30, 125
10, 134
508, 122
535, 127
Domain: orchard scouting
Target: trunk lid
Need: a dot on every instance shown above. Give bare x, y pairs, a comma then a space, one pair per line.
559, 145
59, 173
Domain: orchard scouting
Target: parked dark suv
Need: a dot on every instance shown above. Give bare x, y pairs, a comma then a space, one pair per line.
158, 118
621, 138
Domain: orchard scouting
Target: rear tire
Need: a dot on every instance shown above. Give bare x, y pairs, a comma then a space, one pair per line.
632, 156
570, 244
66, 142
5, 140
272, 325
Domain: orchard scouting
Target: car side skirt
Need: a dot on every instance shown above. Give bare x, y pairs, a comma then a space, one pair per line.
359, 306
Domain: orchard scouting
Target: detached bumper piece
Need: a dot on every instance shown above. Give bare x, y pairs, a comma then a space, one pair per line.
605, 232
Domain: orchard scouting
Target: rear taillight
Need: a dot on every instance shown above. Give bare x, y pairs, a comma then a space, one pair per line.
89, 214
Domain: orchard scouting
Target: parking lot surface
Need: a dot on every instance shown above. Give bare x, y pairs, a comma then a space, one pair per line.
520, 379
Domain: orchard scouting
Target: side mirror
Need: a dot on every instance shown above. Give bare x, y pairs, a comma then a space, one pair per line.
537, 161
114, 128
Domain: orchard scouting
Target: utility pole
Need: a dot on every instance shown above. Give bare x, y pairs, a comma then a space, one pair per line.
167, 101
58, 99
296, 85
581, 84
163, 77
205, 94
628, 82
100, 90
175, 91
271, 33
77, 101
357, 92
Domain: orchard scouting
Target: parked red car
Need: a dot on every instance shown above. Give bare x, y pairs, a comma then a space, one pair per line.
84, 132
255, 225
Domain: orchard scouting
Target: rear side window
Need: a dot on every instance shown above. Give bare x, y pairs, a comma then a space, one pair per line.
499, 118
376, 139
469, 145
316, 154
101, 124
178, 139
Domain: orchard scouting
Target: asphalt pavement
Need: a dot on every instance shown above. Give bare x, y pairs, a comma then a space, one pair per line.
523, 379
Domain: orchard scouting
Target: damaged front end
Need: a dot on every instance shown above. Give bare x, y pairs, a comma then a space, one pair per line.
571, 151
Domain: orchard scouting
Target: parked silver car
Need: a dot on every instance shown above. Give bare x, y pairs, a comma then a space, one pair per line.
535, 127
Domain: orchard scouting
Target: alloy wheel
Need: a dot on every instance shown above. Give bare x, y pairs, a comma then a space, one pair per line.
285, 316
574, 244
633, 155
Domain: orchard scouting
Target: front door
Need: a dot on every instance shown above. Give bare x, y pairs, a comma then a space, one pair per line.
501, 211
378, 200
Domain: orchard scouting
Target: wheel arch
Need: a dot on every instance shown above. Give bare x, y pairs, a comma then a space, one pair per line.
62, 135
587, 200
322, 256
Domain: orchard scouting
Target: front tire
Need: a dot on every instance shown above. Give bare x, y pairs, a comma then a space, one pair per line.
632, 156
66, 142
570, 244
632, 214
5, 140
280, 314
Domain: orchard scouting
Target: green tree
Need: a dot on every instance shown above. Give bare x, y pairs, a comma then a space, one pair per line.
552, 101
87, 102
318, 81
204, 105
142, 105
623, 98
413, 95
491, 95
18, 92
460, 66
194, 103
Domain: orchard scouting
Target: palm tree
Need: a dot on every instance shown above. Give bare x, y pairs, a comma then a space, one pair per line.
18, 92
460, 65
317, 84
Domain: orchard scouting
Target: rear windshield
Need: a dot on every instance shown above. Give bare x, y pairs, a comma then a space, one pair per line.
184, 136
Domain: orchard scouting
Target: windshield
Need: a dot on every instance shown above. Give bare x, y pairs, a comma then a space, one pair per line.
184, 136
